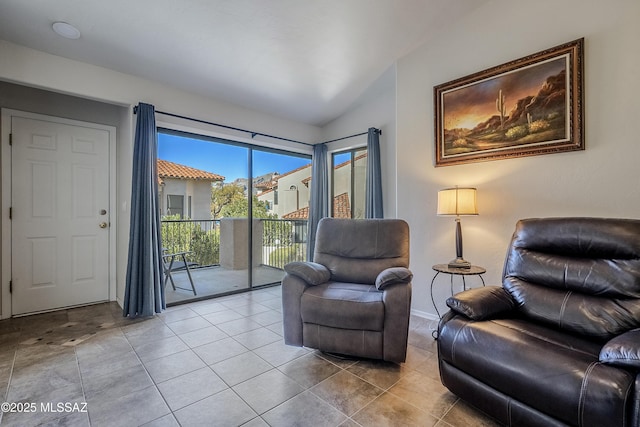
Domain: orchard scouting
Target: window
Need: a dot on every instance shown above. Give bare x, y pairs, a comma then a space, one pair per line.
175, 205
250, 181
348, 176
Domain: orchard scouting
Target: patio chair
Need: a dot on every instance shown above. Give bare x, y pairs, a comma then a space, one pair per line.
170, 265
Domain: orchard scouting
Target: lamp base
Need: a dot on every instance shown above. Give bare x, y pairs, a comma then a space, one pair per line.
459, 263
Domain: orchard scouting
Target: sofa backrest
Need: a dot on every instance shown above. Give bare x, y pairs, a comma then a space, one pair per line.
579, 274
357, 250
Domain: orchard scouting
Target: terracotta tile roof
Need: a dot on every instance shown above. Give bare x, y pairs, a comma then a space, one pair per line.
168, 169
299, 214
263, 192
268, 185
341, 209
341, 206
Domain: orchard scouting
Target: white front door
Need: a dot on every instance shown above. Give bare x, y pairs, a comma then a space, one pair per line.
59, 214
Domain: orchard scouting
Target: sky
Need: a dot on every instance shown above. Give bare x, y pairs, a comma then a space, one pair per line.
227, 160
474, 104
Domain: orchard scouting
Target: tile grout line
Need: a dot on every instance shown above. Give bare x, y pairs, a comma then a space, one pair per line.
6, 393
84, 395
229, 387
151, 378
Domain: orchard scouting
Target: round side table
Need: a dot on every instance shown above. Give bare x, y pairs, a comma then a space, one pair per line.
463, 272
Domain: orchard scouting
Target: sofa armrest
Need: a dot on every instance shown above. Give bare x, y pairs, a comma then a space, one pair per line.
623, 350
311, 272
392, 276
481, 303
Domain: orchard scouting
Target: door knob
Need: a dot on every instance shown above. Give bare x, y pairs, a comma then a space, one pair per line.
103, 225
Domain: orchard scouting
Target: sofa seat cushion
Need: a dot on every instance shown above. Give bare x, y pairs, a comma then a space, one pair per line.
549, 370
343, 305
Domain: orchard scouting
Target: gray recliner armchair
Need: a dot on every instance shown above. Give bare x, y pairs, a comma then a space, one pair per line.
355, 297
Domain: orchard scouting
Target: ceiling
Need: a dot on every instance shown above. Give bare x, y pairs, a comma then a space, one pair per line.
304, 60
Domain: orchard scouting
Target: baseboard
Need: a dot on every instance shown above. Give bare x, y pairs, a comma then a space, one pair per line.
424, 314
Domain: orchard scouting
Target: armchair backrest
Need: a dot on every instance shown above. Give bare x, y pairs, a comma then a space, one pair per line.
579, 274
357, 250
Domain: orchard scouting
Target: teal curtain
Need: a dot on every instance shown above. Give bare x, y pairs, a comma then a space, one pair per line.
373, 186
318, 205
144, 293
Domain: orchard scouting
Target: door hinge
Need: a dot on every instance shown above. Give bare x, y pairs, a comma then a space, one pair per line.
10, 213
10, 139
10, 286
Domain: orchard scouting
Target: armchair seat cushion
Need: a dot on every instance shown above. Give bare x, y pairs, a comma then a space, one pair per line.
343, 305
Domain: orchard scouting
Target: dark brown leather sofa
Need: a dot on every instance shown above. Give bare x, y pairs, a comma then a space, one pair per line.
355, 297
558, 343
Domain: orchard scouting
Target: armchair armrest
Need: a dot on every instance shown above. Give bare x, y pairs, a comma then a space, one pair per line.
392, 276
623, 350
481, 303
311, 272
397, 310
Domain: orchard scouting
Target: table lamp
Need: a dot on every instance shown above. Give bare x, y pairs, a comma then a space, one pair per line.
458, 201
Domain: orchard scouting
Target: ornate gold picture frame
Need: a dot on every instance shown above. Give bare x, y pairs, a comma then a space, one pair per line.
526, 107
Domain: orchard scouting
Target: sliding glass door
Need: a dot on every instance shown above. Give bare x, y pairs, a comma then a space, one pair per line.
280, 209
204, 214
237, 212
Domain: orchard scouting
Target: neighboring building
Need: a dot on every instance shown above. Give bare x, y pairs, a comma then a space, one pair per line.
288, 194
185, 191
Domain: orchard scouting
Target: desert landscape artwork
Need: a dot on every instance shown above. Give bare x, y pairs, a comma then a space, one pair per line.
529, 106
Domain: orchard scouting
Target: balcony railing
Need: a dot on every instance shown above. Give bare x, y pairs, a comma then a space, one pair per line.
282, 241
199, 237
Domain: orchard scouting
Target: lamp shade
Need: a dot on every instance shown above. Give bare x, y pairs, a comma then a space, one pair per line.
457, 201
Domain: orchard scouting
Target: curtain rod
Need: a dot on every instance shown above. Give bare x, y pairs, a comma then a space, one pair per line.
253, 134
379, 131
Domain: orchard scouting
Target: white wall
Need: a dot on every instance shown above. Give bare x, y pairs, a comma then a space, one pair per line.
601, 181
37, 69
199, 191
376, 108
291, 200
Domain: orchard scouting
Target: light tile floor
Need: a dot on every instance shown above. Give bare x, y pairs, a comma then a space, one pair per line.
219, 362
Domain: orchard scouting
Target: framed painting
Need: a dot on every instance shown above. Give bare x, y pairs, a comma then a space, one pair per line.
526, 107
